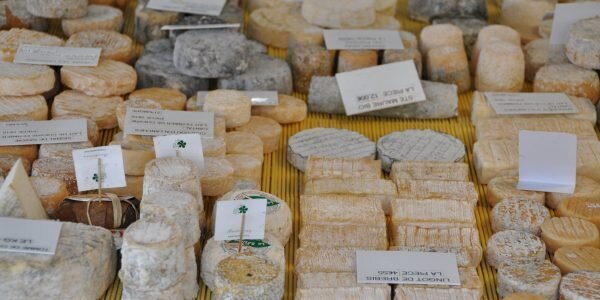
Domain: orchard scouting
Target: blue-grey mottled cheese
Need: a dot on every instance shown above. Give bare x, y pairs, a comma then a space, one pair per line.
425, 10
264, 73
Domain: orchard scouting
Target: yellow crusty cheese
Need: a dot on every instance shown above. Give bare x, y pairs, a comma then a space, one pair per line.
102, 110
109, 78
342, 167
10, 40
568, 79
167, 98
504, 187
429, 170
432, 213
26, 108
487, 129
437, 189
566, 231
289, 110
585, 188
268, 130
114, 45
273, 26
344, 236
99, 17
25, 80
234, 106
572, 259
587, 209
341, 210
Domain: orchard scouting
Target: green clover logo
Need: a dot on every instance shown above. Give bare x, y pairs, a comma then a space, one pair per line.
243, 209
181, 144
95, 177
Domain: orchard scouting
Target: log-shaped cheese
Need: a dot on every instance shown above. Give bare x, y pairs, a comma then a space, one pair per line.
487, 129
344, 236
432, 213
341, 210
437, 189
470, 287
429, 170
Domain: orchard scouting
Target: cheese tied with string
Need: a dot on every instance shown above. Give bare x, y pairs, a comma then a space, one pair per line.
106, 210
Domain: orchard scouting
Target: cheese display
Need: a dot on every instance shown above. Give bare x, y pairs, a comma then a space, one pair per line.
263, 73
232, 105
583, 42
540, 279
27, 152
310, 260
350, 60
288, 110
420, 145
341, 210
267, 129
308, 61
328, 13
580, 285
391, 56
135, 156
470, 288
57, 167
98, 17
98, 109
469, 26
109, 78
216, 177
568, 79
10, 40
500, 68
51, 192
325, 167
273, 26
505, 187
148, 22
62, 150
427, 170
587, 209
432, 213
134, 187
17, 16
518, 214
327, 142
585, 188
512, 247
18, 199
360, 292
85, 257
26, 108
567, 231
464, 242
239, 142
68, 9
432, 189
167, 98
493, 34
381, 189
25, 80
245, 167
7, 161
114, 45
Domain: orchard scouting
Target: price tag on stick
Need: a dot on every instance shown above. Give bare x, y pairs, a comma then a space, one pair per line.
91, 175
240, 219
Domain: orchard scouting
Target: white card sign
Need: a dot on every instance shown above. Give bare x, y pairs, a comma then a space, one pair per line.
199, 7
229, 219
259, 98
153, 122
403, 267
199, 27
57, 56
547, 161
188, 146
43, 132
531, 103
380, 87
362, 39
567, 14
112, 171
29, 236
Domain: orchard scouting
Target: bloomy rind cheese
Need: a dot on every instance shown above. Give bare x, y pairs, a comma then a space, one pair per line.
289, 110
567, 231
572, 259
425, 170
341, 210
584, 43
98, 17
25, 80
109, 78
432, 213
102, 110
268, 130
58, 9
504, 187
580, 285
114, 45
332, 167
519, 214
26, 108
487, 129
541, 279
10, 40
512, 247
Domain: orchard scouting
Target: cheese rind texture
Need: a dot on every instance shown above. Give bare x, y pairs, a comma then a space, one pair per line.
568, 79
61, 9
425, 10
102, 110
329, 13
264, 73
98, 17
568, 231
487, 129
109, 78
424, 170
584, 43
512, 247
25, 80
572, 259
580, 285
470, 288
114, 45
26, 108
247, 276
10, 40
541, 279
340, 167
521, 215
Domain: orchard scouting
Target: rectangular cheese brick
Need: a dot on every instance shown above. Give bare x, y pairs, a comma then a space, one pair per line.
371, 292
429, 170
501, 158
381, 189
341, 210
464, 242
433, 213
437, 189
336, 167
481, 109
311, 260
471, 288
325, 280
508, 128
344, 236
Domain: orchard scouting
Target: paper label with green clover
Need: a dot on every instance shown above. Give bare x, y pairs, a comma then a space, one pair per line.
229, 217
188, 146
111, 172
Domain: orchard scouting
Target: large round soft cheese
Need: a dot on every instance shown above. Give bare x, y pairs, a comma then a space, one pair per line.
108, 78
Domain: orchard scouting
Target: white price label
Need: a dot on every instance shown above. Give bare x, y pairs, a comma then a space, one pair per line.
111, 173
229, 219
531, 103
153, 122
364, 39
199, 7
29, 236
57, 56
199, 27
43, 132
259, 98
188, 146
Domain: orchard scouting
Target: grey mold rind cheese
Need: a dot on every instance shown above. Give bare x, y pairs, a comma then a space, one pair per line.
327, 142
418, 145
147, 26
442, 101
264, 73
469, 26
18, 8
425, 10
158, 46
212, 53
83, 267
193, 20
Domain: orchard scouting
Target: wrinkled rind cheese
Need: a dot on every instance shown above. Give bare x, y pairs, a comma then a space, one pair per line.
289, 110
344, 236
60, 9
98, 17
519, 214
341, 210
567, 231
580, 285
10, 40
25, 80
310, 260
85, 258
102, 110
249, 276
584, 43
424, 170
114, 45
437, 189
432, 213
512, 247
332, 167
487, 129
267, 129
541, 279
26, 108
109, 78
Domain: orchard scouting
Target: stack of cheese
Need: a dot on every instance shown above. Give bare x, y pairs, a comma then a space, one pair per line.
435, 213
342, 212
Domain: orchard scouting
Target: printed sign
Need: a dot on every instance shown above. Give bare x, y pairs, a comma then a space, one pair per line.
199, 7
362, 39
57, 56
531, 103
43, 132
168, 122
259, 98
29, 236
198, 27
567, 14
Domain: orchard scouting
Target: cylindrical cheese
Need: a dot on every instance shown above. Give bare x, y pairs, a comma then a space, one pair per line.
573, 259
308, 60
51, 192
438, 35
239, 142
135, 156
541, 279
121, 109
449, 64
232, 105
214, 147
268, 130
391, 56
504, 187
501, 68
102, 110
519, 214
584, 43
216, 176
67, 9
25, 80
289, 110
98, 17
114, 45
512, 247
525, 16
492, 34
109, 78
350, 60
568, 79
178, 207
168, 99
57, 167
246, 167
567, 232
27, 108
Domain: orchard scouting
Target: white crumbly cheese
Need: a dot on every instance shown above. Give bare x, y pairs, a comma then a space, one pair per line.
98, 17
27, 108
329, 13
17, 196
341, 167
433, 213
437, 189
85, 258
519, 214
109, 78
215, 251
512, 247
539, 279
328, 142
487, 129
464, 242
341, 210
279, 216
470, 288
344, 236
25, 80
429, 170
418, 145
580, 285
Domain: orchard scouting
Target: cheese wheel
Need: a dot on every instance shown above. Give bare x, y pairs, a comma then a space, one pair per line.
449, 64
99, 17
325, 167
168, 99
99, 109
519, 214
573, 259
57, 167
246, 167
27, 108
433, 36
7, 161
279, 216
429, 170
289, 110
587, 209
10, 40
51, 191
580, 285
93, 133
239, 142
135, 156
505, 187
512, 247
109, 78
350, 60
232, 105
134, 187
25, 80
62, 150
584, 43
392, 56
268, 130
216, 251
114, 45
492, 34
525, 16
148, 23
214, 147
216, 177
329, 13
585, 188
273, 26
541, 279
17, 16
27, 152
61, 9
244, 275
567, 232
500, 68
568, 79
122, 107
